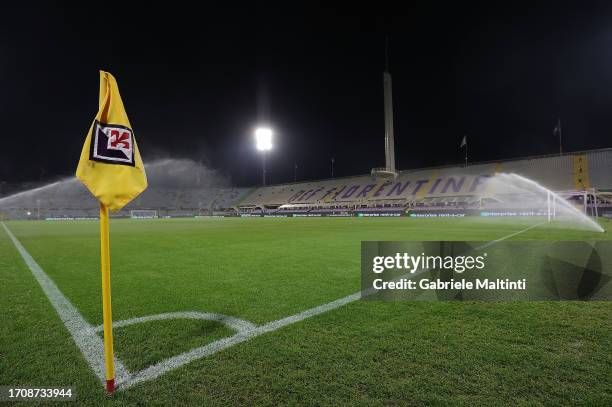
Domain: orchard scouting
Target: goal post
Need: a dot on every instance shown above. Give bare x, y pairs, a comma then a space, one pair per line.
143, 214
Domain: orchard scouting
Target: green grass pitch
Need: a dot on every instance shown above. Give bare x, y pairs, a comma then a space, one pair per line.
260, 270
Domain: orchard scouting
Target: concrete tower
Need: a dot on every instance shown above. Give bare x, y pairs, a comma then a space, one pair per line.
389, 137
389, 169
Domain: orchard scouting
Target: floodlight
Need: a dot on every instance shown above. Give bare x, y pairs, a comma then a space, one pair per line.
263, 138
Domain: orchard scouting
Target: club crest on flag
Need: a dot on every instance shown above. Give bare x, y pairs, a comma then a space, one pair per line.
110, 165
112, 144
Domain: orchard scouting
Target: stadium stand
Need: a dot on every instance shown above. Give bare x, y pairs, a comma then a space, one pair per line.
183, 188
455, 188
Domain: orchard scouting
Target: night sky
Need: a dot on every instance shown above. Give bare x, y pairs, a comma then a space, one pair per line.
196, 81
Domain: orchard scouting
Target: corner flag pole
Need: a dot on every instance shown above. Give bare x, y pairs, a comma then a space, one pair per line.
109, 361
114, 177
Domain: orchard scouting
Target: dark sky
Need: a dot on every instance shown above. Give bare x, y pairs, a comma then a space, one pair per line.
196, 80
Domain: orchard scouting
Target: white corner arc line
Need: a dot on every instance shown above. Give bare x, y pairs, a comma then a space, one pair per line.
237, 324
248, 331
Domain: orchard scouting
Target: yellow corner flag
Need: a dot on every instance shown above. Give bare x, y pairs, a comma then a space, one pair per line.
110, 164
111, 168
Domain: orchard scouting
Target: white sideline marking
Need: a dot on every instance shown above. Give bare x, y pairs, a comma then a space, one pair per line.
90, 344
85, 334
492, 242
92, 348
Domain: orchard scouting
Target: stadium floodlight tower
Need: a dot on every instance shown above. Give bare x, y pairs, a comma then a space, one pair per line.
263, 139
389, 169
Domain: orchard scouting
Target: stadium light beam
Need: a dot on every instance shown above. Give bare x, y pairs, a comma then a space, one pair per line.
263, 139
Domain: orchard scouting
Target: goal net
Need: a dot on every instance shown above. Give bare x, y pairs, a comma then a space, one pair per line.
143, 214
